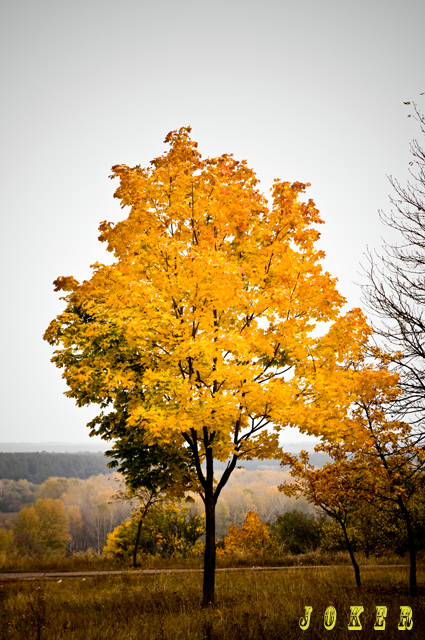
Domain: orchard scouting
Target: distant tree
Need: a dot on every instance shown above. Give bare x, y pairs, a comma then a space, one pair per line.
38, 467
75, 526
99, 511
42, 528
16, 494
26, 531
6, 542
53, 488
223, 519
53, 525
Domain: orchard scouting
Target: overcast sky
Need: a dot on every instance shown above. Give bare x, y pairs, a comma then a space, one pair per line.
310, 91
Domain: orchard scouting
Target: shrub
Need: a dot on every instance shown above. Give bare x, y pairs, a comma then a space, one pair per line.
299, 532
167, 530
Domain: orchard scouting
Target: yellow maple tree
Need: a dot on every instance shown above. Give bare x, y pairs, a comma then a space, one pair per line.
202, 333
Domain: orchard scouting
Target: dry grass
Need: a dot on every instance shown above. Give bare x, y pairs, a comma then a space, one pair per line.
250, 605
90, 561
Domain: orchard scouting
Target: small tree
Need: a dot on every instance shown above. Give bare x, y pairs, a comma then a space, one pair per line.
75, 525
153, 473
373, 531
166, 530
383, 468
252, 536
326, 488
6, 543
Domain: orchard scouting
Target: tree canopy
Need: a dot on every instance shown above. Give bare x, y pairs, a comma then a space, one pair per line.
202, 335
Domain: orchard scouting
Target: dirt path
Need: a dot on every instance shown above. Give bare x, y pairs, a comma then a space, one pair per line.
60, 575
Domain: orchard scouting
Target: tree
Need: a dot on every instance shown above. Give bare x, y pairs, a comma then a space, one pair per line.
25, 531
202, 334
326, 488
375, 532
148, 498
395, 292
15, 494
6, 543
53, 488
252, 536
383, 468
223, 519
155, 468
75, 526
53, 525
43, 527
392, 456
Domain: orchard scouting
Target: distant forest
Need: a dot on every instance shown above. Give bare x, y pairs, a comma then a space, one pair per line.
38, 467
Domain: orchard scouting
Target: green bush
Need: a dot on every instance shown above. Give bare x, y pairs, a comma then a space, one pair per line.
299, 532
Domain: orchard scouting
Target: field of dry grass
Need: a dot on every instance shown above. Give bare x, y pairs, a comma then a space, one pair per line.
250, 605
94, 562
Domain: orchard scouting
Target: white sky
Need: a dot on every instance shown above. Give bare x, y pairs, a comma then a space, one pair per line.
307, 90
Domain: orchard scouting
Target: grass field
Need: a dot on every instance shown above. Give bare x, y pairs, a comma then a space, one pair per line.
90, 561
250, 605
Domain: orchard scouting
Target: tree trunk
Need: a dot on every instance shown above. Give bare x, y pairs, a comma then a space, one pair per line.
136, 544
209, 497
351, 552
209, 557
412, 549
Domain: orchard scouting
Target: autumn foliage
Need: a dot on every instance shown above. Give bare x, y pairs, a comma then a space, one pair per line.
174, 323
252, 536
203, 331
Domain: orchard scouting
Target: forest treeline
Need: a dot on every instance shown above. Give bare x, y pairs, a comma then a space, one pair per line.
80, 513
38, 467
90, 508
72, 515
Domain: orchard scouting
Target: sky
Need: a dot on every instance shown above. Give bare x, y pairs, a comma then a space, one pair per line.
308, 91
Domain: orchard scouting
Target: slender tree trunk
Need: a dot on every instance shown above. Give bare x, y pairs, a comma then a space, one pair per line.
412, 549
148, 504
209, 557
136, 544
351, 552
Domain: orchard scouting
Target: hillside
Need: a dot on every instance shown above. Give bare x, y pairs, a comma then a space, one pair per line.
37, 467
